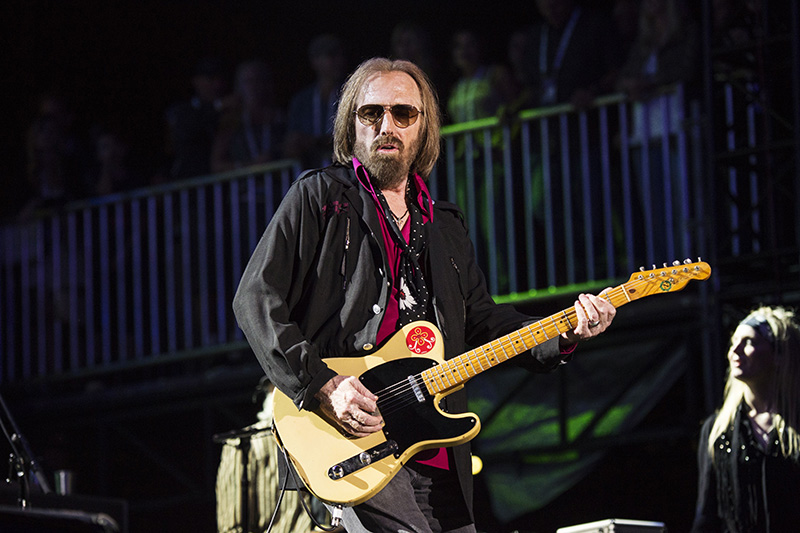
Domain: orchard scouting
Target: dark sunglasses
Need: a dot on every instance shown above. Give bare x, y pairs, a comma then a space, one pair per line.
403, 115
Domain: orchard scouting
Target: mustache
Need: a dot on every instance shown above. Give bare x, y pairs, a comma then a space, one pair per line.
386, 139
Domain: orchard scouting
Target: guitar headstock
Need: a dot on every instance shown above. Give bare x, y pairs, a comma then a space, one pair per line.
669, 278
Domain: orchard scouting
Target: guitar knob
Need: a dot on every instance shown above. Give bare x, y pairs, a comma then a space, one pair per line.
365, 458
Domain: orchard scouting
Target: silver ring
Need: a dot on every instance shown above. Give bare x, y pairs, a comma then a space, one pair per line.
594, 324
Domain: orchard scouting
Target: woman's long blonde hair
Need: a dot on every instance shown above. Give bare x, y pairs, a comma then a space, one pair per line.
786, 347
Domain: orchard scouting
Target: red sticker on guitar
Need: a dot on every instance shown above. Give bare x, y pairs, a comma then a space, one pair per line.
421, 340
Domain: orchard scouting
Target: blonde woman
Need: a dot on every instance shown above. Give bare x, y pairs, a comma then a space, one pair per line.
749, 451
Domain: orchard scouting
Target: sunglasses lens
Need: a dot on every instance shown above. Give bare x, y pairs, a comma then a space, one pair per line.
370, 114
404, 115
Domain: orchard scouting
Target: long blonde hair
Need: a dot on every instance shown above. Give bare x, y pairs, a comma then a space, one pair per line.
786, 348
344, 130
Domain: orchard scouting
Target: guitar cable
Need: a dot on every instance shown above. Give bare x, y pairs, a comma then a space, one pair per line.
336, 517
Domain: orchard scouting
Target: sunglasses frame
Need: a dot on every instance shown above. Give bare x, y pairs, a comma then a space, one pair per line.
390, 108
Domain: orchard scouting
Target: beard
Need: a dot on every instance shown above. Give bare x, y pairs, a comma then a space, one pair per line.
386, 171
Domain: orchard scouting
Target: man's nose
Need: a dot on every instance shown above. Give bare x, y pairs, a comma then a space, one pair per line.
386, 124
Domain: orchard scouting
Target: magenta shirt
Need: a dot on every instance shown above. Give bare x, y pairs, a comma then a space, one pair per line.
436, 457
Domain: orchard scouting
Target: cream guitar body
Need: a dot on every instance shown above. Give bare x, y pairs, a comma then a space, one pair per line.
413, 420
409, 375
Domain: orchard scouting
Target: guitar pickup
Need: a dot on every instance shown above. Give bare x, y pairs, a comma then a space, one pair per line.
365, 458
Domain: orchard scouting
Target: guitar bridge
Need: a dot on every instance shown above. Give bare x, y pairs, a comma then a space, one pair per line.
365, 458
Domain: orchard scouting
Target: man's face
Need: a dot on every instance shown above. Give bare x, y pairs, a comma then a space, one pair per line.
385, 149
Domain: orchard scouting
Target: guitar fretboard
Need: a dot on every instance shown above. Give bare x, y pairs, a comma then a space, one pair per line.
455, 372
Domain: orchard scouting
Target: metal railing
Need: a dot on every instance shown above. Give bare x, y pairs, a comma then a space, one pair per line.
553, 196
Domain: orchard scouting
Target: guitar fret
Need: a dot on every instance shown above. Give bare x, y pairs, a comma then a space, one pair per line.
566, 316
522, 341
541, 329
479, 363
505, 342
457, 368
495, 350
438, 382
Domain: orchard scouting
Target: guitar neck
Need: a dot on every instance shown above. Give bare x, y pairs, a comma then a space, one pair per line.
455, 372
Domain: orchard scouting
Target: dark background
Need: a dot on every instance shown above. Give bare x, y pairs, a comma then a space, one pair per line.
123, 63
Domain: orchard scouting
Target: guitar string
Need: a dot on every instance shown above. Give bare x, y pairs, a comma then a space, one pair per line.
399, 395
398, 392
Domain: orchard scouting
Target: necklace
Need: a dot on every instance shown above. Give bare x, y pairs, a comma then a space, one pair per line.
399, 219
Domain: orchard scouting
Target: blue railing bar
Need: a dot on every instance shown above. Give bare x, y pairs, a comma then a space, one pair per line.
549, 220
72, 275
451, 169
699, 184
104, 242
489, 205
88, 289
153, 273
236, 233
567, 235
469, 190
219, 262
287, 177
252, 212
527, 188
202, 269
8, 361
187, 270
58, 337
586, 194
170, 276
136, 281
755, 203
123, 311
6, 354
731, 145
510, 223
41, 299
627, 195
666, 172
605, 173
683, 174
25, 294
645, 183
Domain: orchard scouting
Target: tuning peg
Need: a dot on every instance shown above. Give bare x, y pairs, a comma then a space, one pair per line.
687, 261
665, 265
641, 269
676, 263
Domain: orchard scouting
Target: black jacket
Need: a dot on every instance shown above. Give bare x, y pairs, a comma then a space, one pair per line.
316, 287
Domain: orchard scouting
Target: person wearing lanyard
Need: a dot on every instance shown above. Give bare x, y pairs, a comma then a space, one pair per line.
358, 250
254, 132
313, 108
572, 54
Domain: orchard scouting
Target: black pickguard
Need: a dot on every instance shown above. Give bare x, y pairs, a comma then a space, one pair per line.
408, 421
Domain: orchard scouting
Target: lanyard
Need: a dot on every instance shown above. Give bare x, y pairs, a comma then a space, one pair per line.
562, 45
252, 145
321, 124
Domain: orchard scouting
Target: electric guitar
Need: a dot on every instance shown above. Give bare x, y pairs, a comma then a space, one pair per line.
409, 375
